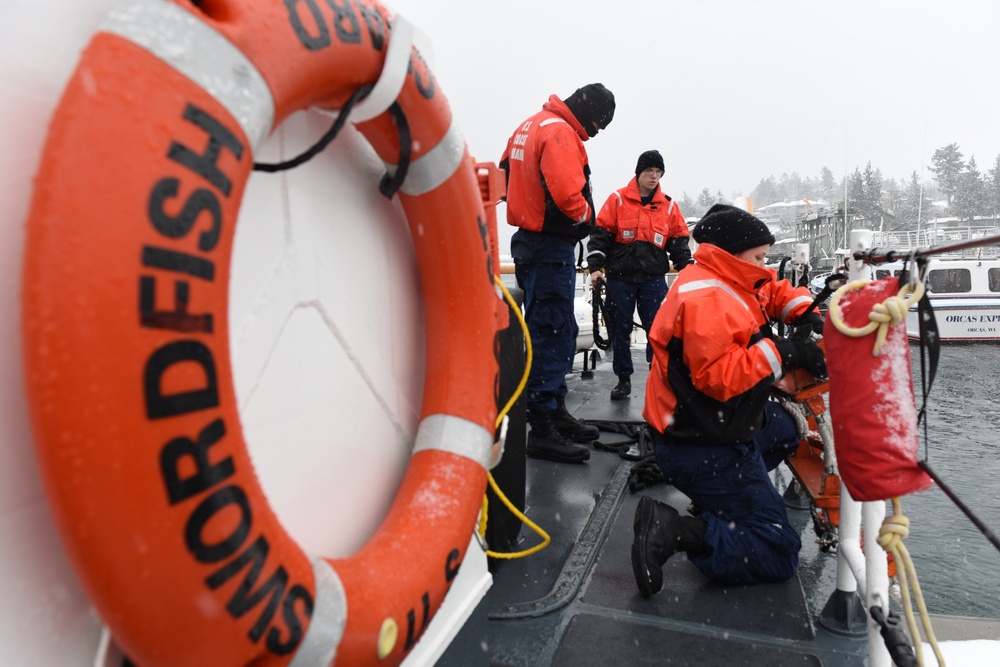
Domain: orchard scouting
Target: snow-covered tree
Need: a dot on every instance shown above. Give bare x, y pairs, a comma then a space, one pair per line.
993, 190
790, 186
947, 166
705, 201
765, 193
827, 185
892, 196
915, 206
970, 198
688, 208
870, 199
855, 192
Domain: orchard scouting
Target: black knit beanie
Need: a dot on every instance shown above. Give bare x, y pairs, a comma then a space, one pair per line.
732, 229
591, 103
647, 160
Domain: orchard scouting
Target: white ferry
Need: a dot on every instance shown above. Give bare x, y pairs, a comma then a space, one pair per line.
965, 296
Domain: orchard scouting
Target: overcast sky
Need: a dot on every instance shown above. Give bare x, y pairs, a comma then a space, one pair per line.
847, 81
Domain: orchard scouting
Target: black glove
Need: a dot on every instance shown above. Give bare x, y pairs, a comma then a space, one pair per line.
802, 354
811, 322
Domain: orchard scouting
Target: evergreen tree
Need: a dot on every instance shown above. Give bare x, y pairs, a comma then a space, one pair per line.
993, 190
947, 167
705, 201
721, 198
827, 185
790, 187
892, 197
855, 192
915, 207
765, 193
870, 200
970, 199
688, 207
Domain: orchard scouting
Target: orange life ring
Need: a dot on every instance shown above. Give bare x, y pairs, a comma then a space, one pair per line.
126, 338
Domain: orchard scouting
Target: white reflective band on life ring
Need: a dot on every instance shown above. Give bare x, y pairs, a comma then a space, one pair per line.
390, 81
329, 617
454, 435
173, 34
436, 166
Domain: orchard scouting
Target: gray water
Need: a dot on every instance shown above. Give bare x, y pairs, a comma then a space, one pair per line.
958, 568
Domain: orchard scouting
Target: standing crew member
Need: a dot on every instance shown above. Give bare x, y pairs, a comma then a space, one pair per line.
640, 231
715, 432
549, 198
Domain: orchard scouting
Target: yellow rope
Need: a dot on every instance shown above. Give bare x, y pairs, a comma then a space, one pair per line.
889, 313
894, 530
483, 516
516, 512
527, 343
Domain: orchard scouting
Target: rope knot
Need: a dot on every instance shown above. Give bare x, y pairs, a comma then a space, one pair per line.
892, 311
894, 530
883, 315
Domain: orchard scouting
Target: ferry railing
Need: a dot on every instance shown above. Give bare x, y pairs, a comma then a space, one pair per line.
970, 238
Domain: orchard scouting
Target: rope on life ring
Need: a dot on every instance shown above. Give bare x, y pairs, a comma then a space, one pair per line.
126, 346
883, 315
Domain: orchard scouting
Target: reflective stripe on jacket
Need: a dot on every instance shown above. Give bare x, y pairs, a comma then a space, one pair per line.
713, 359
548, 176
636, 243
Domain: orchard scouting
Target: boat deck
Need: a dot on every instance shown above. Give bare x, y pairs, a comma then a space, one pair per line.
576, 603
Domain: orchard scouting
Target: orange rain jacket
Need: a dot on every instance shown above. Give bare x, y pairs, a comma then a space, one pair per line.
713, 358
636, 243
548, 176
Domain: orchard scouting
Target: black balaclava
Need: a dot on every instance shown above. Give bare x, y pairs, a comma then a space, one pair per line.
590, 103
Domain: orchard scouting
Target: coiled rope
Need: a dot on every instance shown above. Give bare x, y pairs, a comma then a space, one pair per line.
883, 315
894, 530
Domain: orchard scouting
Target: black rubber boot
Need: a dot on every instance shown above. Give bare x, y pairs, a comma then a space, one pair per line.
571, 427
660, 532
623, 389
546, 442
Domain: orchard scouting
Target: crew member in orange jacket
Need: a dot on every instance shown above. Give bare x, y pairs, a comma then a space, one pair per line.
716, 434
549, 198
640, 231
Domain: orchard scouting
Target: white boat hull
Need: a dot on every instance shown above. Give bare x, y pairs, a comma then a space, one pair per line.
975, 319
964, 295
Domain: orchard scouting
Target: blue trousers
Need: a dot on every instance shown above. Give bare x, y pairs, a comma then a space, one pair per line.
549, 293
748, 535
621, 301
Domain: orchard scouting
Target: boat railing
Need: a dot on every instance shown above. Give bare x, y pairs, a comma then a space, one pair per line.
935, 236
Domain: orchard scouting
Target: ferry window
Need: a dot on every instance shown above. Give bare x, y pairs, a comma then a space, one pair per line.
884, 273
994, 278
949, 280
